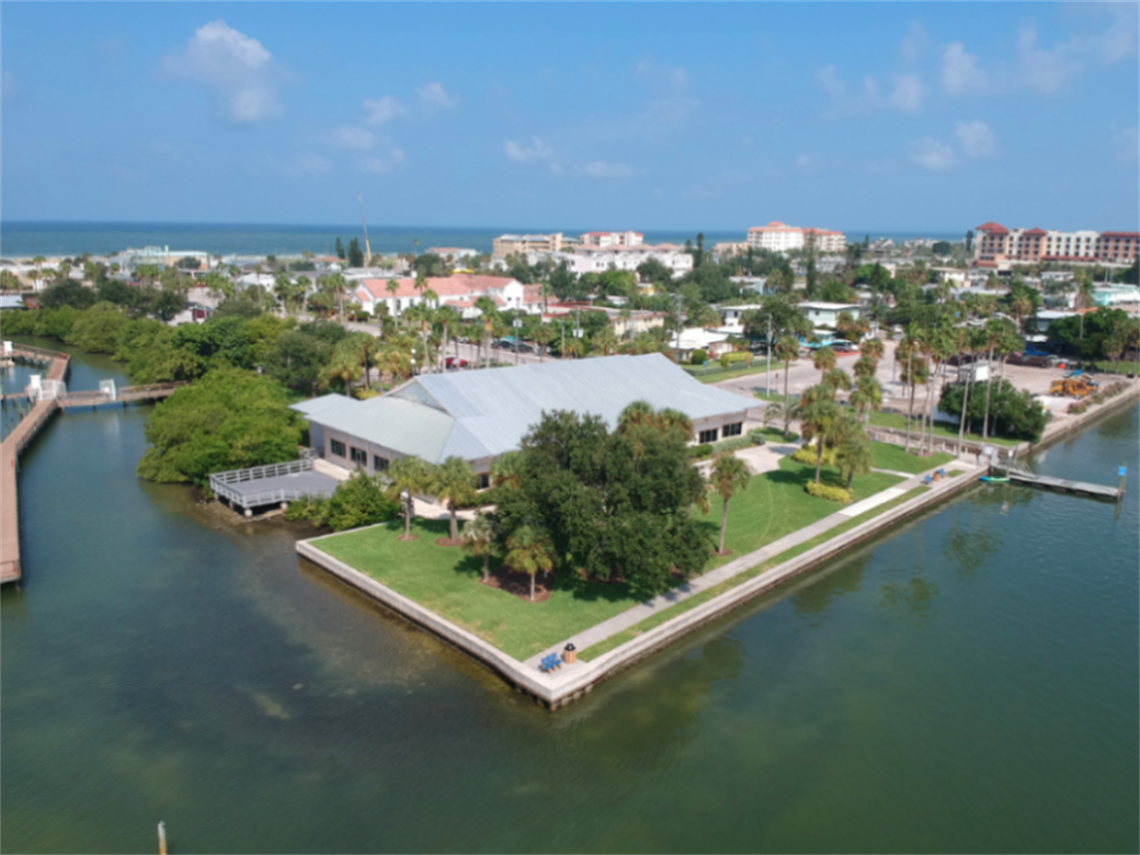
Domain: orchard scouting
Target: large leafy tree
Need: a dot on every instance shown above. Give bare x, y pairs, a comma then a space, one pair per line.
228, 419
613, 504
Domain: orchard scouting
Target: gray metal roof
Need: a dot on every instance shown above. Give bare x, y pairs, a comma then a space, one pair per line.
322, 404
479, 414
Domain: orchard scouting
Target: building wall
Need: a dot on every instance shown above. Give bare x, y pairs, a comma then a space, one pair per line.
505, 245
776, 237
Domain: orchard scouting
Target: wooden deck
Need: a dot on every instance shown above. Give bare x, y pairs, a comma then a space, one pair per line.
1060, 485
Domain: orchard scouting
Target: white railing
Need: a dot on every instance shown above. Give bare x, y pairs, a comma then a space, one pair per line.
220, 481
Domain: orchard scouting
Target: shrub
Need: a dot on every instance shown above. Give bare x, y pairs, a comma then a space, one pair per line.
826, 491
731, 358
756, 437
358, 501
699, 357
700, 452
809, 454
730, 444
1077, 407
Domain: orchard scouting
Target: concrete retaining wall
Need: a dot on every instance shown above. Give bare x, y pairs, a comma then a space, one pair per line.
562, 687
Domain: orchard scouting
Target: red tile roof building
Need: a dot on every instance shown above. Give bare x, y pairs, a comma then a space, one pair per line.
996, 245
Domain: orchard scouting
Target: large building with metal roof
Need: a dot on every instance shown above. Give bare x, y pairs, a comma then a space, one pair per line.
479, 415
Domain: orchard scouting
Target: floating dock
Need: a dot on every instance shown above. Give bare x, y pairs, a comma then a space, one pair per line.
1060, 485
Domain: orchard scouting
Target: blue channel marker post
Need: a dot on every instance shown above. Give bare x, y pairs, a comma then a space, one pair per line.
1123, 473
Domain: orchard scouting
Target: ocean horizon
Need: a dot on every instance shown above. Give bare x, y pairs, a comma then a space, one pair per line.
28, 238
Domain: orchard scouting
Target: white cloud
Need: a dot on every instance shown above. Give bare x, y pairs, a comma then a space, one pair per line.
391, 162
383, 110
306, 164
521, 154
602, 169
1119, 40
433, 97
7, 85
1044, 71
976, 139
960, 72
236, 70
913, 43
929, 153
830, 81
907, 97
1125, 143
803, 161
356, 139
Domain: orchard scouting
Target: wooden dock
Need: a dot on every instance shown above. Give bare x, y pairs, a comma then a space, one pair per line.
1061, 485
10, 450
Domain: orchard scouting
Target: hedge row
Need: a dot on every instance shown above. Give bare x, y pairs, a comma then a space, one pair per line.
825, 491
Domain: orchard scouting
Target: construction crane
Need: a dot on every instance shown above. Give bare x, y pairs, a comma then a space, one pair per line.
367, 245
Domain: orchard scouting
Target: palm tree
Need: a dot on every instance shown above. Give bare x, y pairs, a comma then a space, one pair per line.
605, 340
453, 482
408, 476
787, 351
836, 379
396, 361
855, 454
913, 372
867, 396
819, 419
505, 471
776, 411
865, 366
1084, 298
729, 475
392, 287
529, 552
823, 359
479, 538
872, 347
637, 413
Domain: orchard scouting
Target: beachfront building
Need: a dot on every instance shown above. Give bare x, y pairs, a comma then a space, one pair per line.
598, 259
825, 240
480, 415
999, 247
776, 237
459, 291
612, 239
505, 245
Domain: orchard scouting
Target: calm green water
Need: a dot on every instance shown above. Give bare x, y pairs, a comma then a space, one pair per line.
969, 684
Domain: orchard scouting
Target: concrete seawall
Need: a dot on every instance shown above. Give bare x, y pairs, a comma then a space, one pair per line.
570, 683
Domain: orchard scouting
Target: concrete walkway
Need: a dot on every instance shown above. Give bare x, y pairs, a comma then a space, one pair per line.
631, 617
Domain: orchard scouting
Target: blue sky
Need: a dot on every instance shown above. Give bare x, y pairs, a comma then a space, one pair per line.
645, 116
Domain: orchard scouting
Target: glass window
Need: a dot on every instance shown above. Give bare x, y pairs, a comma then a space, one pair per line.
484, 480
707, 436
379, 464
359, 457
733, 430
336, 447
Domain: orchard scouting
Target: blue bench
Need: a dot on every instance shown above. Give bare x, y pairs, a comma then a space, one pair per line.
550, 663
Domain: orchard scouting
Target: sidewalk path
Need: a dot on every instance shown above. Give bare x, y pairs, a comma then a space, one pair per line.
631, 617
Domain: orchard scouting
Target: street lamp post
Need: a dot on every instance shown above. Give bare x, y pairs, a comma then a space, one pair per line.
768, 373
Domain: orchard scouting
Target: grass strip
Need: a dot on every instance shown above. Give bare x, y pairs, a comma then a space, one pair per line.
898, 422
628, 634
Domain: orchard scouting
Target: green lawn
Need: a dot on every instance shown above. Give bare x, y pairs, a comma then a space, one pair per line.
775, 434
445, 579
776, 504
893, 457
898, 421
619, 638
1125, 366
721, 376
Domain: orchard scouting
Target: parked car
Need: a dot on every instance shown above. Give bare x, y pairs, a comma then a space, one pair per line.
840, 346
452, 362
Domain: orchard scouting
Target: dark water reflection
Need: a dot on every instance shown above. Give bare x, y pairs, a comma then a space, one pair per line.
969, 683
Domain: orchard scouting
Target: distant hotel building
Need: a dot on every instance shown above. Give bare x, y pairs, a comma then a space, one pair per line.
612, 239
777, 237
998, 246
505, 245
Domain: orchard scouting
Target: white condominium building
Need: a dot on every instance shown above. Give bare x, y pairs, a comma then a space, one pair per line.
505, 245
612, 239
825, 240
776, 237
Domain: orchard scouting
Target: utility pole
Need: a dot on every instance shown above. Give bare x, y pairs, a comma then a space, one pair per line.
367, 245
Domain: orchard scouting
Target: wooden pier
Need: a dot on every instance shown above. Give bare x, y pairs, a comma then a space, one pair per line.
1019, 475
10, 448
